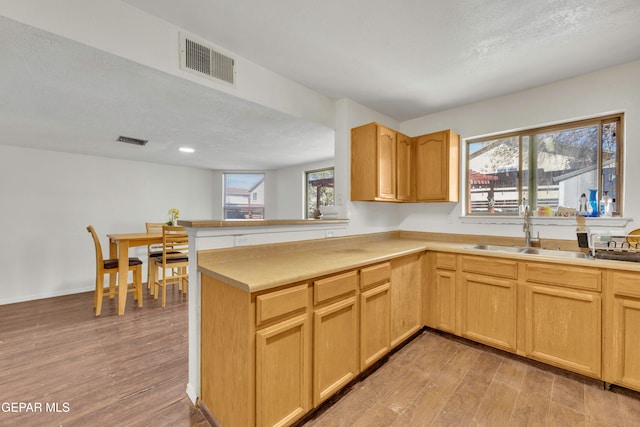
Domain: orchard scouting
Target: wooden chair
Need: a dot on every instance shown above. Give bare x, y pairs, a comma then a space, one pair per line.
153, 250
110, 266
173, 263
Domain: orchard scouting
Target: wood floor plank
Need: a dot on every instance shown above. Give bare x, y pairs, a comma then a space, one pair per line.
110, 370
497, 405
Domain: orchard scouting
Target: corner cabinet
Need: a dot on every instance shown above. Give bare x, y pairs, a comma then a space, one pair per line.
389, 166
437, 167
373, 163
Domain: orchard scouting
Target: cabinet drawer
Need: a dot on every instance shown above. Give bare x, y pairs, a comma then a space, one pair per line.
331, 287
490, 266
375, 274
445, 261
572, 277
278, 303
625, 284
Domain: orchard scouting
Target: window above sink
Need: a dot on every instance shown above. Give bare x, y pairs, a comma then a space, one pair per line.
546, 168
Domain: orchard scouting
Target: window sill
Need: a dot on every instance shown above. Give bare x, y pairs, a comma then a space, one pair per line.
615, 222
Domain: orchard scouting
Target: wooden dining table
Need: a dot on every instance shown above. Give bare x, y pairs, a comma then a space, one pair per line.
119, 245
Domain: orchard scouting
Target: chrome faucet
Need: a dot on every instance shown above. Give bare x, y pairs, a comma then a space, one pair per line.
526, 227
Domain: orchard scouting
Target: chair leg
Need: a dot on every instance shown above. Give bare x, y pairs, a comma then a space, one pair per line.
99, 294
138, 283
156, 283
185, 280
153, 271
164, 292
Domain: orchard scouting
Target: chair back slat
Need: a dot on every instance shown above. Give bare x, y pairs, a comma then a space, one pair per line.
175, 242
154, 227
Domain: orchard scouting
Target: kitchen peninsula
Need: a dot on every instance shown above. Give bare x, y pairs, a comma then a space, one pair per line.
285, 326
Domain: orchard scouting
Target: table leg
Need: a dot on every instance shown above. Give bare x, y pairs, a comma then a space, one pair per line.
123, 274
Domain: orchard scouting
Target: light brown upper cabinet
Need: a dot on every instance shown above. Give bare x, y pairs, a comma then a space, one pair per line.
373, 163
387, 165
437, 167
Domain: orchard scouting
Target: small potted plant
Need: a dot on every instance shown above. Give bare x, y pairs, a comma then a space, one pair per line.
174, 214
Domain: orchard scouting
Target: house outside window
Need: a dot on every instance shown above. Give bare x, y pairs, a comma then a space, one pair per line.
320, 190
547, 169
243, 196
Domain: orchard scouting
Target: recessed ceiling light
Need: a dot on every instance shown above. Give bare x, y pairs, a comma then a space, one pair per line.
186, 149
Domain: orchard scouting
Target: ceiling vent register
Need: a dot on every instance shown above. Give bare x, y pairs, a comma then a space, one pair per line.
205, 61
134, 141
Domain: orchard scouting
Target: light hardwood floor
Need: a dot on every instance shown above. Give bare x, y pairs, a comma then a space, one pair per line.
131, 370
439, 380
112, 370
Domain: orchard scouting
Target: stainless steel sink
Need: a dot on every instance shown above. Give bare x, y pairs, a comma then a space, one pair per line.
532, 251
500, 248
555, 254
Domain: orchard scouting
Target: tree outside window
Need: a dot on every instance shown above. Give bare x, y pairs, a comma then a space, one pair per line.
320, 190
547, 169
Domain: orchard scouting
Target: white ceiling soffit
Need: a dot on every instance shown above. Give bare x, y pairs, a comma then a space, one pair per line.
61, 95
411, 58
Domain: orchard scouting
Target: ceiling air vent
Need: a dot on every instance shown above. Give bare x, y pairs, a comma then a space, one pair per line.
134, 141
205, 61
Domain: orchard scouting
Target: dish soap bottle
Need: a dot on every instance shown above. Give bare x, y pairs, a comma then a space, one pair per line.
593, 202
607, 211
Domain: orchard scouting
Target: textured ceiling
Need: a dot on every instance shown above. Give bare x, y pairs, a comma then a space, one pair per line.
65, 96
413, 57
404, 59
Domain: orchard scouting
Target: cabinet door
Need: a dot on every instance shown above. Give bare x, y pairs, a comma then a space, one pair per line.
386, 163
488, 313
335, 348
442, 301
283, 372
437, 167
374, 324
406, 297
623, 351
404, 167
563, 328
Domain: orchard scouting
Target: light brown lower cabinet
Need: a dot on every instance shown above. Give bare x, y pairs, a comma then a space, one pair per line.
440, 291
563, 317
563, 328
375, 313
488, 300
622, 347
283, 365
544, 311
406, 297
335, 334
488, 312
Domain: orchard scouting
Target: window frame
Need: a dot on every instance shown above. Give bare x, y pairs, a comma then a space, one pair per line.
599, 121
251, 195
306, 188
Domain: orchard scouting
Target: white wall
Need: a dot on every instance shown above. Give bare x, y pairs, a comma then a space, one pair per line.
49, 198
365, 217
290, 186
610, 90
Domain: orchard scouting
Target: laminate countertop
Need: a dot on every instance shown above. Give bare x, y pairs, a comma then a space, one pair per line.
271, 269
255, 269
